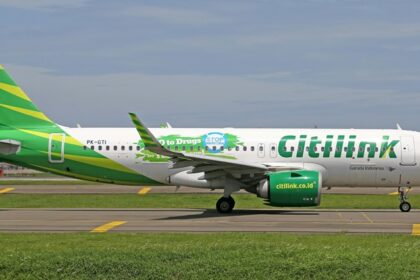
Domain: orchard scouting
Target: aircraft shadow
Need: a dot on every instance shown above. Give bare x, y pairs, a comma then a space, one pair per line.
210, 213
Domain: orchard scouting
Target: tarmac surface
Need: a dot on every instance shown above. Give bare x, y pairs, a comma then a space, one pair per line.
117, 189
204, 220
199, 220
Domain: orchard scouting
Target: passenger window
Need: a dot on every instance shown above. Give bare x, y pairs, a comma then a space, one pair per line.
214, 148
245, 148
199, 148
184, 148
322, 149
222, 148
130, 148
92, 148
229, 149
138, 148
122, 148
307, 149
237, 148
107, 148
176, 148
274, 149
100, 148
84, 148
261, 148
207, 148
345, 149
252, 148
115, 148
191, 148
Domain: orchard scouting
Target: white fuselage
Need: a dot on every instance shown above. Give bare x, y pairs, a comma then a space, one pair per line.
339, 155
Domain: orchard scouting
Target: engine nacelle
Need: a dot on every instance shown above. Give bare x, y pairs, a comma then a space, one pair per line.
292, 188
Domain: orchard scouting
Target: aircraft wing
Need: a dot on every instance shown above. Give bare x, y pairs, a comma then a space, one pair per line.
212, 167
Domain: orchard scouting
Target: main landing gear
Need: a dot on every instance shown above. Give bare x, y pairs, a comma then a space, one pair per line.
225, 205
405, 206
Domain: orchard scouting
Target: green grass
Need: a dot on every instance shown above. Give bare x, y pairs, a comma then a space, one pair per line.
58, 182
329, 201
208, 256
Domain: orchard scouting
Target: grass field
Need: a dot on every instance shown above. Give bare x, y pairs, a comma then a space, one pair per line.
329, 201
208, 256
35, 182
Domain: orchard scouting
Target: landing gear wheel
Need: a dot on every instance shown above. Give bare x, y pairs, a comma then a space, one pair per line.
232, 201
405, 207
225, 205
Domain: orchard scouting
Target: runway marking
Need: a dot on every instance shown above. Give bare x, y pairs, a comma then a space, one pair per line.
108, 227
340, 215
367, 217
416, 230
6, 190
144, 191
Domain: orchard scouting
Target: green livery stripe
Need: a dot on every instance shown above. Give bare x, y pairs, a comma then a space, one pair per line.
33, 114
69, 139
16, 108
97, 162
15, 91
95, 179
65, 173
4, 78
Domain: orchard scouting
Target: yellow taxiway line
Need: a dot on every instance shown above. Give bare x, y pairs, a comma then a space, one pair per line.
144, 191
416, 230
6, 190
108, 227
367, 218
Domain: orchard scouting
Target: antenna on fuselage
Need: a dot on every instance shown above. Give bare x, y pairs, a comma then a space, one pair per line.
399, 127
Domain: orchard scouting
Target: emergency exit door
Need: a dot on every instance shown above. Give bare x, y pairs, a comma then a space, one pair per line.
56, 147
408, 151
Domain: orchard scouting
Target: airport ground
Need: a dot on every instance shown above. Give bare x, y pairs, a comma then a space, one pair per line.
53, 231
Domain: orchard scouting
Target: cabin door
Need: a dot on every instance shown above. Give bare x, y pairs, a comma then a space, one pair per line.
408, 153
56, 147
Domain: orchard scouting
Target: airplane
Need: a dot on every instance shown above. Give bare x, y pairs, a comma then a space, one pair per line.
285, 167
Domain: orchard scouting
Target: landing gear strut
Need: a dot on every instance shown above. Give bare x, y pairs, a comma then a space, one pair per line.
225, 205
405, 206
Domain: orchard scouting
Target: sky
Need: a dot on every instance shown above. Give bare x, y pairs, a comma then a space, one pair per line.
230, 63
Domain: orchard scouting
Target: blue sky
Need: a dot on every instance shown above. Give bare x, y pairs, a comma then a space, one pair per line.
291, 63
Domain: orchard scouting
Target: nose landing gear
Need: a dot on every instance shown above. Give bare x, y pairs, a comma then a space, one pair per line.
405, 206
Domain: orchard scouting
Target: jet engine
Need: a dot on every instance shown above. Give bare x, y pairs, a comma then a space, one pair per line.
292, 188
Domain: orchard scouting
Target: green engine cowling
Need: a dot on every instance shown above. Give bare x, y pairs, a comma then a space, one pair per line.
292, 188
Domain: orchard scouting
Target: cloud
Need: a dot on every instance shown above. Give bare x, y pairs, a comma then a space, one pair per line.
173, 15
207, 100
43, 4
